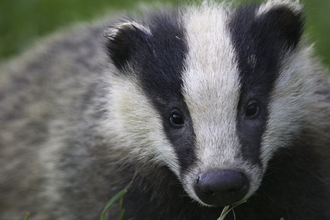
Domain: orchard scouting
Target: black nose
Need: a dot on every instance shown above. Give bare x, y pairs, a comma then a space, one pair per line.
221, 187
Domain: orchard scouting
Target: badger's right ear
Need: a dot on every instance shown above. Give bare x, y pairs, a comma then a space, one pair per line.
124, 40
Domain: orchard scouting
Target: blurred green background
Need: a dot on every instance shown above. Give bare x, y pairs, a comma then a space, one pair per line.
22, 22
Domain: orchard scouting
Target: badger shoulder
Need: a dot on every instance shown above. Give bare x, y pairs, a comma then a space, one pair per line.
42, 93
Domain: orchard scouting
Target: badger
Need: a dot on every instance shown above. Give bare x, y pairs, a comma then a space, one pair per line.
200, 108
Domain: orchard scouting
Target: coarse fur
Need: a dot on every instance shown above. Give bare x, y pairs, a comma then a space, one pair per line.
161, 101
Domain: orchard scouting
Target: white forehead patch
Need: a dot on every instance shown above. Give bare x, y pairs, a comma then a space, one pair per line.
211, 83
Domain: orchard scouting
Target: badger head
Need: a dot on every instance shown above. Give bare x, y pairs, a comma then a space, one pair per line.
198, 90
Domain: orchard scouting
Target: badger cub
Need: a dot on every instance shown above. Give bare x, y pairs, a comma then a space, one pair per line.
201, 107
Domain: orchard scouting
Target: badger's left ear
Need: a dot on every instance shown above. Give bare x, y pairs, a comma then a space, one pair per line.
124, 40
282, 19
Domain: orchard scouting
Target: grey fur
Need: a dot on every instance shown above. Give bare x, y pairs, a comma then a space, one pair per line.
44, 106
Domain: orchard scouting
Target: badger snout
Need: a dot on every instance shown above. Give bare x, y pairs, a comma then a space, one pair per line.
221, 187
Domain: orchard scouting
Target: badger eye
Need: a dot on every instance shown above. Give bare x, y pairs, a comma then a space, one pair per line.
176, 119
252, 109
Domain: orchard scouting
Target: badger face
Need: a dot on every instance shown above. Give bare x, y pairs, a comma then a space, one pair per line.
192, 91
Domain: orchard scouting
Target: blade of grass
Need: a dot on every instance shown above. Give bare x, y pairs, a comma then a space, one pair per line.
114, 199
228, 209
27, 216
122, 210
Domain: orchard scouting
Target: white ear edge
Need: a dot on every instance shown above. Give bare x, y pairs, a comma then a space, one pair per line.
112, 32
295, 6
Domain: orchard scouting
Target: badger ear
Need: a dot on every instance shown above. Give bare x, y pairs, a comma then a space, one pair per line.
123, 41
282, 19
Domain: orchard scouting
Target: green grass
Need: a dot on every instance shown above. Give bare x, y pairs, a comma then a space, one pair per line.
24, 21
227, 209
27, 216
118, 197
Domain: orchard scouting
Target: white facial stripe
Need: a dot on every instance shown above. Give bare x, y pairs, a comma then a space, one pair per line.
134, 126
211, 91
211, 85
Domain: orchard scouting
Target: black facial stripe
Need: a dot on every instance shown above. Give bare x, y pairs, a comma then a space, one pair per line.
161, 63
258, 55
